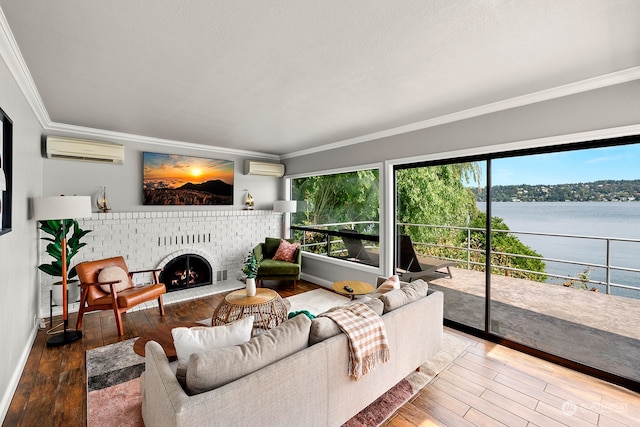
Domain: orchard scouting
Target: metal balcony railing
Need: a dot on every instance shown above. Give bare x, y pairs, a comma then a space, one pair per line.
332, 244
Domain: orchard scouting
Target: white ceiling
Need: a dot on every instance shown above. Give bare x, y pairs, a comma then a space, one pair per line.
284, 76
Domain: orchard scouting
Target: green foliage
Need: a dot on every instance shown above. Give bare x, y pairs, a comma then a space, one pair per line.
581, 282
502, 244
54, 229
435, 195
250, 268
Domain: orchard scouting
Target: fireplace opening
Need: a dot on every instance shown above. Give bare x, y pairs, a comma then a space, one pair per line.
186, 271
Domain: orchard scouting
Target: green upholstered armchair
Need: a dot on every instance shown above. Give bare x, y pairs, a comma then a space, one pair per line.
270, 269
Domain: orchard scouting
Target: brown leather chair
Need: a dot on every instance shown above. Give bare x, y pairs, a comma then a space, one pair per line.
95, 298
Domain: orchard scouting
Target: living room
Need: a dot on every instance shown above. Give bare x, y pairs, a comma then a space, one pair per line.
581, 85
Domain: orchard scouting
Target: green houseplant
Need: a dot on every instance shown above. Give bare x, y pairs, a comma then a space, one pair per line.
53, 228
250, 269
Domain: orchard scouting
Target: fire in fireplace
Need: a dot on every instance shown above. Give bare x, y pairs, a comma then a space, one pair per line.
186, 271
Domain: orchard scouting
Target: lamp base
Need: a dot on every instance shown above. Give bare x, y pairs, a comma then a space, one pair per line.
66, 337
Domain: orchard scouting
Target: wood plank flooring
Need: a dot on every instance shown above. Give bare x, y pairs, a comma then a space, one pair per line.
488, 385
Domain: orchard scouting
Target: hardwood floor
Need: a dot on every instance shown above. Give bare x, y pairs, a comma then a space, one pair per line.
488, 385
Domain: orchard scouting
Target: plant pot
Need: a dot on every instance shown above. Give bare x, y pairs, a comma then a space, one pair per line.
73, 292
250, 287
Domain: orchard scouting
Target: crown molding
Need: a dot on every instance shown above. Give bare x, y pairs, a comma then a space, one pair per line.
86, 132
599, 82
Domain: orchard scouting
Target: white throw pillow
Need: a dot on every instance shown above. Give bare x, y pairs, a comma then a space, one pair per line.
199, 339
110, 274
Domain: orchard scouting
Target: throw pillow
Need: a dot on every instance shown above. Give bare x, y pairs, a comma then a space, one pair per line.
406, 294
197, 339
392, 283
286, 251
110, 274
214, 368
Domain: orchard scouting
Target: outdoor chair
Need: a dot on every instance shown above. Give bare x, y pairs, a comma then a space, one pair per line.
411, 267
106, 285
356, 250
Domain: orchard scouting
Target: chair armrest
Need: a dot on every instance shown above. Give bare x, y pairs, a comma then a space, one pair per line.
257, 252
299, 255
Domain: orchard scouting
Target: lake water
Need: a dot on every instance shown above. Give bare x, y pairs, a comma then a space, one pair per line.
593, 219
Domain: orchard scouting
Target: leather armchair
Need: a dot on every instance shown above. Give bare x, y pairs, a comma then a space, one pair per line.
270, 269
95, 298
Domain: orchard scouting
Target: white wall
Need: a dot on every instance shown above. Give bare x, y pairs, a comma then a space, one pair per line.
124, 182
19, 299
524, 127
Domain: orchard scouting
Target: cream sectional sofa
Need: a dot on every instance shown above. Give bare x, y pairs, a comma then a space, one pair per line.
301, 383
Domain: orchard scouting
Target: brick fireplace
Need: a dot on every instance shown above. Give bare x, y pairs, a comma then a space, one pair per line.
153, 239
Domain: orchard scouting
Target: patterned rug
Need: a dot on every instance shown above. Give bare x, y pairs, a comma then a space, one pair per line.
114, 399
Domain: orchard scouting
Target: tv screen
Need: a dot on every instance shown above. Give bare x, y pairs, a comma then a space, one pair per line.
171, 179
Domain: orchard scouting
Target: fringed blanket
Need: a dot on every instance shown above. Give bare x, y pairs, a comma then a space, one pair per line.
368, 343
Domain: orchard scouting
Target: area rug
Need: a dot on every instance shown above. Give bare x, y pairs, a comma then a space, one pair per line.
113, 371
316, 301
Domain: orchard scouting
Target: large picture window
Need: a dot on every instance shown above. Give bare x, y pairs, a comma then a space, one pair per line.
338, 215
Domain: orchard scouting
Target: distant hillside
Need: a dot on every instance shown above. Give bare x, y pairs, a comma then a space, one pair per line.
208, 193
217, 187
597, 191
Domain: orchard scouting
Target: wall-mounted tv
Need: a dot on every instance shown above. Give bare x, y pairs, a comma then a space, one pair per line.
171, 179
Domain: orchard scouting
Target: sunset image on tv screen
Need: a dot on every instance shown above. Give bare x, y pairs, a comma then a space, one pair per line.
171, 179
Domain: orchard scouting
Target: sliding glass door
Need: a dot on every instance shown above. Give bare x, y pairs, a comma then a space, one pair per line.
437, 238
545, 248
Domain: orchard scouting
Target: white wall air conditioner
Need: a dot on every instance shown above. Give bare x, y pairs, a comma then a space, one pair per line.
252, 167
82, 149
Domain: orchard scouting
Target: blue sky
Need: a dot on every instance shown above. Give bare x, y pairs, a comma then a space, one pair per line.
595, 164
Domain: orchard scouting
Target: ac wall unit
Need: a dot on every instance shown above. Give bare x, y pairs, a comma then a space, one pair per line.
82, 149
263, 168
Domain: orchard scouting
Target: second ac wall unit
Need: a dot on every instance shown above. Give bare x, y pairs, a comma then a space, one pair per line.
82, 149
252, 167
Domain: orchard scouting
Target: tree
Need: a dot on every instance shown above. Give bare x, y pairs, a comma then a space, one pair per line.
435, 195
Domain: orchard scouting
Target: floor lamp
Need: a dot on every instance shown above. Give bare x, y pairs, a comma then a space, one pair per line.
284, 206
61, 208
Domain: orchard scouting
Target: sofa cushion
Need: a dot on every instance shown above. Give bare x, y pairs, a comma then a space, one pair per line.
286, 251
407, 293
271, 245
269, 267
215, 368
112, 273
197, 339
323, 327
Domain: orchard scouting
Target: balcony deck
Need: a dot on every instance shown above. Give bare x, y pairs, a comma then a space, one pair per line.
591, 328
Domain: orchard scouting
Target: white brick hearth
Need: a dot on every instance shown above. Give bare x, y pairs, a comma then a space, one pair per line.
151, 239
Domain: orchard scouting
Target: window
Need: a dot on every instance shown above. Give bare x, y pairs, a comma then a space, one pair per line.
338, 215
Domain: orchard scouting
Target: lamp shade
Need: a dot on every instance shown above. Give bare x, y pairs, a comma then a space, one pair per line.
3, 181
61, 207
285, 205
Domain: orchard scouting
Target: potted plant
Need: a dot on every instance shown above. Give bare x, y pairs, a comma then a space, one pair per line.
250, 269
54, 228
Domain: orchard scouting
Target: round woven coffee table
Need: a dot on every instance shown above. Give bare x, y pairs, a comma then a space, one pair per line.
266, 306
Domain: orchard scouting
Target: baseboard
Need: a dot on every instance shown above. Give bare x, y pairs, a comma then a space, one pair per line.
316, 280
15, 378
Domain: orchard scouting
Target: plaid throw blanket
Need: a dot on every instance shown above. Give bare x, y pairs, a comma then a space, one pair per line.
365, 330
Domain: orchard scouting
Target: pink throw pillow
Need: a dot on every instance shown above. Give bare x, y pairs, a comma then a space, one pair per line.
286, 251
390, 284
109, 274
